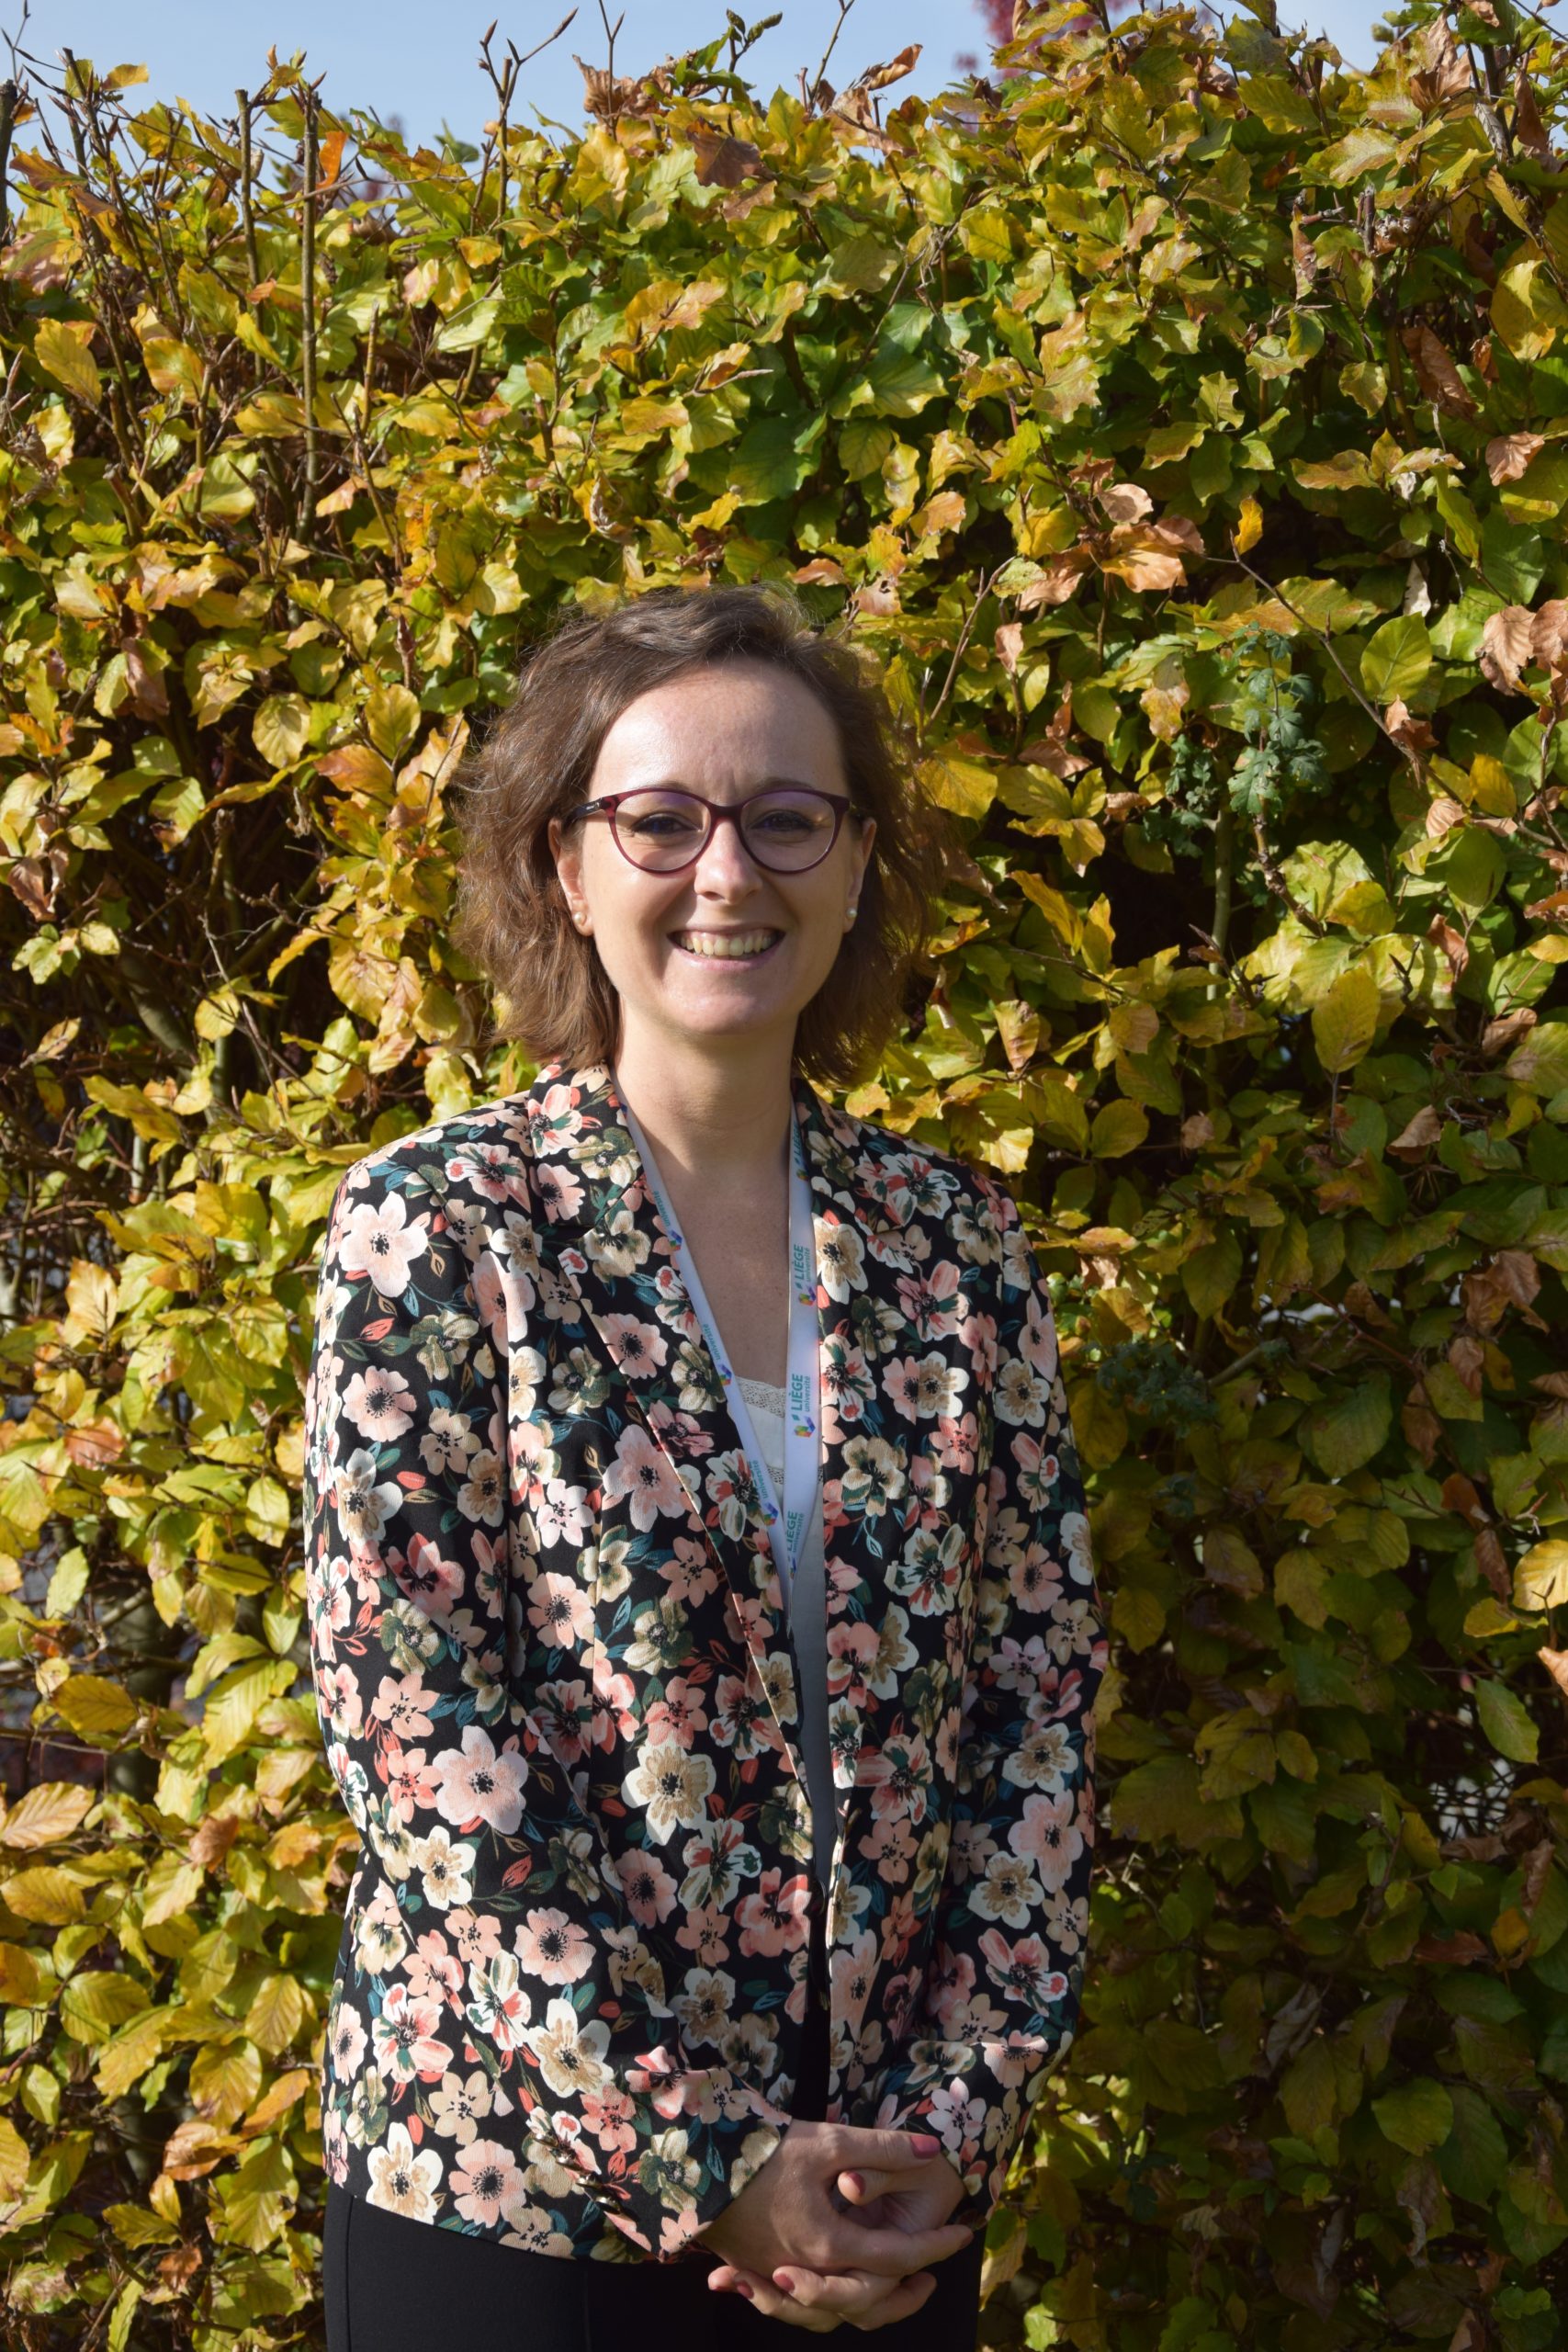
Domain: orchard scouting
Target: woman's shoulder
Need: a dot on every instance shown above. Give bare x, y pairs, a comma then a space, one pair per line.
914, 1176
491, 1144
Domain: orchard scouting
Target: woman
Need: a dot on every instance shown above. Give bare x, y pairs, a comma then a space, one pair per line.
702, 1612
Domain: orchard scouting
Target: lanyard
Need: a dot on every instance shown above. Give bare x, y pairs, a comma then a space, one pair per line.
786, 1528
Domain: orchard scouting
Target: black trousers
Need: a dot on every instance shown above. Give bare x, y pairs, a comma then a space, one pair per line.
393, 2285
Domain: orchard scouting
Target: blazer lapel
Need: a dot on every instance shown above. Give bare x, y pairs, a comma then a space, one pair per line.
605, 1227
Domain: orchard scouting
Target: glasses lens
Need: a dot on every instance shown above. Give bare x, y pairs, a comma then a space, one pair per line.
661, 829
787, 830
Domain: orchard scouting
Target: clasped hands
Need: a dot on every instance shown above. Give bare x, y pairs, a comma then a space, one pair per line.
839, 2226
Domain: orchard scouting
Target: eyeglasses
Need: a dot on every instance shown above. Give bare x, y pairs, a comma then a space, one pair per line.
788, 829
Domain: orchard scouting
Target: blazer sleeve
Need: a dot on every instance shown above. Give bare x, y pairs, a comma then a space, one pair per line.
996, 2008
455, 1793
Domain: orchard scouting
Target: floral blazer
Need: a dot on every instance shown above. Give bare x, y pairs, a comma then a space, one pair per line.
559, 1698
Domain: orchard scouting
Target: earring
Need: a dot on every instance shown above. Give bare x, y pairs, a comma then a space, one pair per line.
853, 911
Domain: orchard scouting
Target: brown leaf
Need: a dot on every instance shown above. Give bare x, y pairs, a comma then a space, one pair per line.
1125, 502
34, 883
1058, 581
1556, 1665
1442, 934
1468, 1358
212, 1837
1493, 1563
880, 77
1442, 814
722, 162
1444, 70
1412, 735
1508, 1029
1009, 644
1451, 1952
1530, 131
1419, 1133
92, 1445
1435, 372
149, 695
1549, 635
1510, 454
1505, 646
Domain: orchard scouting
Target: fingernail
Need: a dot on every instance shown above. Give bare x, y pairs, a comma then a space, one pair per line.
926, 2142
854, 2184
782, 2280
743, 2288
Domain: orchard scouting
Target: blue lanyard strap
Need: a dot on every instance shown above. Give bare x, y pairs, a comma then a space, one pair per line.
787, 1526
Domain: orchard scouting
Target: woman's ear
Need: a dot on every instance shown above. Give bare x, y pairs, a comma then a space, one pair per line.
567, 851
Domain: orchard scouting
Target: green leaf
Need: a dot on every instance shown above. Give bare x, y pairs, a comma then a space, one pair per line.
281, 729
1397, 659
1507, 1722
1118, 1128
1343, 1433
1417, 2117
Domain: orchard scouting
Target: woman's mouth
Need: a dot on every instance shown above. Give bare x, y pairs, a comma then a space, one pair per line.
728, 946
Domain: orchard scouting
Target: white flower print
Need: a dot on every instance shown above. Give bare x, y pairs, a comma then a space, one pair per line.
674, 1786
403, 2182
380, 1403
445, 1870
380, 1239
571, 2053
473, 1783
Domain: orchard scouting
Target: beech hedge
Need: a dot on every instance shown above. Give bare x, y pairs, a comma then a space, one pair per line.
1179, 417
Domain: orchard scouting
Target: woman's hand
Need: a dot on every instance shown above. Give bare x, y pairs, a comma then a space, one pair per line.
794, 2245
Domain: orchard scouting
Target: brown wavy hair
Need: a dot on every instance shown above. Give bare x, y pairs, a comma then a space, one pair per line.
536, 762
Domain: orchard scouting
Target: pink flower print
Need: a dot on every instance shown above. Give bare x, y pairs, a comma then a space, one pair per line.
485, 2178
704, 1932
503, 1298
607, 2118
380, 1239
434, 1972
931, 1300
377, 1403
638, 1348
1023, 1665
338, 1694
774, 1918
851, 1650
560, 1611
556, 1191
852, 1968
402, 1703
407, 1780
474, 1783
740, 1713
1023, 1969
956, 1442
1037, 1340
431, 1582
348, 2042
679, 1715
1034, 1579
615, 1704
476, 1936
977, 1338
649, 1887
1049, 1836
1038, 1469
950, 1982
642, 1471
899, 1778
406, 2039
554, 1948
690, 1574
490, 1168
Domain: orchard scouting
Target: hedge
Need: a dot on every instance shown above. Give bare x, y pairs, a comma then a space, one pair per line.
1180, 419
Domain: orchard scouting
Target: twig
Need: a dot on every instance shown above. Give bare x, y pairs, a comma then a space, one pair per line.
10, 97
308, 329
246, 213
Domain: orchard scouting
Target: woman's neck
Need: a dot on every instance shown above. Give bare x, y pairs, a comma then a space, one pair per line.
716, 1121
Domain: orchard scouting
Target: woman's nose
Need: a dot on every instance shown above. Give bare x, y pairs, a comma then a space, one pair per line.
726, 863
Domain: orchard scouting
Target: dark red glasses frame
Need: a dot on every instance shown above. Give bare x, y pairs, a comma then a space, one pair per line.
718, 812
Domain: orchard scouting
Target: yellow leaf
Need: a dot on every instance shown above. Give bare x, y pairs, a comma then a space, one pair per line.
95, 1709
47, 1814
1541, 1577
1345, 1021
60, 346
1249, 529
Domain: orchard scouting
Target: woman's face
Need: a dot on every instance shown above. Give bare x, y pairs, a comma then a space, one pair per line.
726, 731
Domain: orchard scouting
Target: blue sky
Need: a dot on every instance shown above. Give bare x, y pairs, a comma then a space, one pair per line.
403, 57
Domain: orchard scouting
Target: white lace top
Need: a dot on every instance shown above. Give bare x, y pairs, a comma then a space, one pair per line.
805, 1605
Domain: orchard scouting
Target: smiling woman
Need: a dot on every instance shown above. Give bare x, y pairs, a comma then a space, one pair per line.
703, 1614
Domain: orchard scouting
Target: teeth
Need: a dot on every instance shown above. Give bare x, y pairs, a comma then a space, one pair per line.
721, 944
